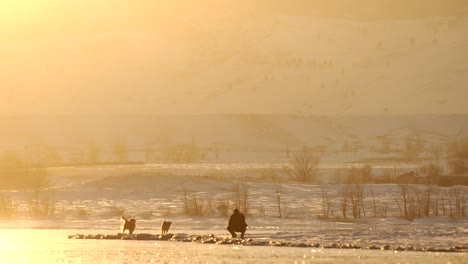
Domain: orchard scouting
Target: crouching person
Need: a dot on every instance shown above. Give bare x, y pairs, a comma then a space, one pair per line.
237, 224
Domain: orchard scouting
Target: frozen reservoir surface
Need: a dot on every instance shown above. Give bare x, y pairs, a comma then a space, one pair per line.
52, 246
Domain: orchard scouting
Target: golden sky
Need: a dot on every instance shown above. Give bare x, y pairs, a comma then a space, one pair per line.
314, 57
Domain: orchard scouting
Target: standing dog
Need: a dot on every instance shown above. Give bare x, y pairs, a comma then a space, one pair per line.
165, 227
129, 224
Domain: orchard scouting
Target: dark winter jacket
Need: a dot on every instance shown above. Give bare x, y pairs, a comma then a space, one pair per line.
237, 220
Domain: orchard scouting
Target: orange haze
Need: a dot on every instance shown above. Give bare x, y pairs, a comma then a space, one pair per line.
164, 56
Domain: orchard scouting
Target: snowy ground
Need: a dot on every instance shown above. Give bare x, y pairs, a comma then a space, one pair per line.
89, 202
51, 246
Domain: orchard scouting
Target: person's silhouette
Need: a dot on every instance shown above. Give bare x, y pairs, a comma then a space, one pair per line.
237, 224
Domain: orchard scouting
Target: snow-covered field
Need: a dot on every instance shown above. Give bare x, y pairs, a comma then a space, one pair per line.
90, 201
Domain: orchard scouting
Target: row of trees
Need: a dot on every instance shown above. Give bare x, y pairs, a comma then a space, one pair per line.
343, 201
47, 156
305, 162
414, 146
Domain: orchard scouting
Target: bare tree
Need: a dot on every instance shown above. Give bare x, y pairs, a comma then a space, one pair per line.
242, 196
42, 202
404, 196
379, 211
457, 201
433, 196
304, 166
245, 192
326, 204
280, 203
237, 196
345, 193
352, 194
357, 200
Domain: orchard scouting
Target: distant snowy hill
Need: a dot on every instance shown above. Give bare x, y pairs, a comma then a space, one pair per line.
240, 135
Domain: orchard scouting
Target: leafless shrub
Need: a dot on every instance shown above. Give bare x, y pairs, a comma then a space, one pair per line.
415, 200
42, 205
237, 196
280, 203
404, 191
326, 204
223, 205
419, 201
211, 207
413, 210
245, 191
428, 201
352, 195
435, 205
457, 202
242, 197
374, 204
194, 205
304, 166
42, 202
460, 201
357, 200
345, 194
378, 210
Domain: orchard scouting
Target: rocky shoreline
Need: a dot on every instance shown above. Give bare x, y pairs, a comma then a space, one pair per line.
212, 239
